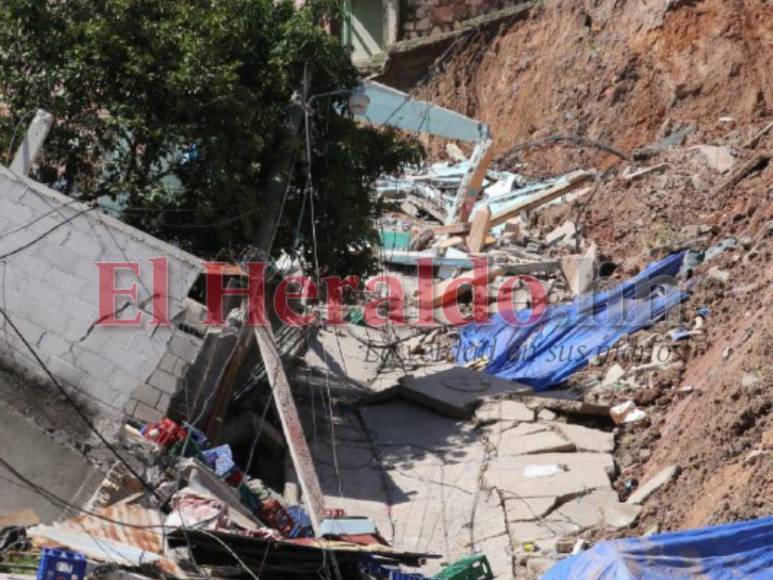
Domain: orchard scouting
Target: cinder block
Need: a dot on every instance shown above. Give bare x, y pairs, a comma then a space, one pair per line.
163, 404
54, 345
185, 346
64, 282
130, 407
164, 381
95, 366
67, 372
168, 363
20, 215
86, 246
147, 394
147, 414
58, 257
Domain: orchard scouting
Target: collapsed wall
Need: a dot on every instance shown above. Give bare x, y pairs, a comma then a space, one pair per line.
49, 247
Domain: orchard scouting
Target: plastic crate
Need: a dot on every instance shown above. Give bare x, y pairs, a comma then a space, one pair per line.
470, 568
397, 575
61, 565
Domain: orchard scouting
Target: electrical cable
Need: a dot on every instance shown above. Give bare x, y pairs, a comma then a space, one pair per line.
45, 234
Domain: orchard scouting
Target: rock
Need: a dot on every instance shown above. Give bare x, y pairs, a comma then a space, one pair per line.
719, 275
621, 515
626, 413
586, 439
546, 415
718, 158
727, 352
536, 567
663, 477
755, 456
614, 374
749, 380
564, 233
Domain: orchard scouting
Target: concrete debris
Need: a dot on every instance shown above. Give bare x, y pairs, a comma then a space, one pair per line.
660, 479
390, 450
720, 159
627, 413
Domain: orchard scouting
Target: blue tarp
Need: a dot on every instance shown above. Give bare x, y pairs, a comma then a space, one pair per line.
546, 352
740, 550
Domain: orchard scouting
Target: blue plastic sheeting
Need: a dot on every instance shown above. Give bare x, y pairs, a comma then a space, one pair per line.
740, 550
546, 352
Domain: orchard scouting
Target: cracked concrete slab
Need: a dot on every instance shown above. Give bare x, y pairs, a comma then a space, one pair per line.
528, 508
586, 439
504, 410
584, 472
517, 442
457, 391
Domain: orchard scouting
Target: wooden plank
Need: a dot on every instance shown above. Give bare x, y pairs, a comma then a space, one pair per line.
479, 227
32, 145
469, 190
427, 206
291, 425
451, 242
452, 229
570, 183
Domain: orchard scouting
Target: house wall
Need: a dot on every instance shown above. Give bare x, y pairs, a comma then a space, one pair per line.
430, 17
50, 290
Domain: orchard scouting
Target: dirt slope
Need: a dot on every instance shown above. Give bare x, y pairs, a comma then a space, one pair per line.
628, 73
618, 71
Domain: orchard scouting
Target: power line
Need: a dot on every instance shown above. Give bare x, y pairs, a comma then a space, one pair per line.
44, 234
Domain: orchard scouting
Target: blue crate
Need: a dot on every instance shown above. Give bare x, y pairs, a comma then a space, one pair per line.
61, 565
397, 575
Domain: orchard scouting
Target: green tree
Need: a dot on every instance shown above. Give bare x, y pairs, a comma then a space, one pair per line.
178, 109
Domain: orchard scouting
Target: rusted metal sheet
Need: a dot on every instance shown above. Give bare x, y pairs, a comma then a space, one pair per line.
138, 527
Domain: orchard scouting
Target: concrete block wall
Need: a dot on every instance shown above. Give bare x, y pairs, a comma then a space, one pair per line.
50, 290
431, 17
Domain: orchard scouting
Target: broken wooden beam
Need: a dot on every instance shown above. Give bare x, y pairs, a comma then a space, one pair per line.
479, 227
291, 425
472, 183
451, 242
459, 229
566, 184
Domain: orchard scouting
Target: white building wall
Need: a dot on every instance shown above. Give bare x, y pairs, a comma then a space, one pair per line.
50, 290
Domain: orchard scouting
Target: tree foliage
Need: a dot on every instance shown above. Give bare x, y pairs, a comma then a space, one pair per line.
176, 108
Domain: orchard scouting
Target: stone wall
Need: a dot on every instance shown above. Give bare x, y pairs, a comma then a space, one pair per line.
50, 289
431, 17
